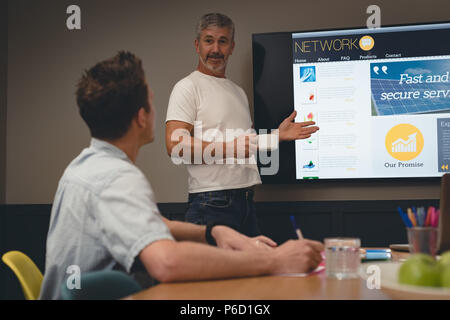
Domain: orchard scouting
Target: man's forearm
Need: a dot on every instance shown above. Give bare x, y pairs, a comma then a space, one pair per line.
196, 151
192, 261
192, 150
269, 142
185, 231
220, 263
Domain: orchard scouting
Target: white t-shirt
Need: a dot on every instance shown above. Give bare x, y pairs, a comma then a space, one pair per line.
215, 105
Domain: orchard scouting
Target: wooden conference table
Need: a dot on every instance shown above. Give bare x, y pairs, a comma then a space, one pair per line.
316, 286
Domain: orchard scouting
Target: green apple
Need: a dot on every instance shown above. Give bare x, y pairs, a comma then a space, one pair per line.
445, 276
445, 258
420, 270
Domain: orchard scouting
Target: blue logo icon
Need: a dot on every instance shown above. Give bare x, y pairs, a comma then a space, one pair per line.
310, 165
308, 74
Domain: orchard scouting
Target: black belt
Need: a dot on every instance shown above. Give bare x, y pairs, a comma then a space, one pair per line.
246, 193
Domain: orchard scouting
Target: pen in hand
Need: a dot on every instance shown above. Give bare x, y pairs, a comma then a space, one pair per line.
300, 235
297, 229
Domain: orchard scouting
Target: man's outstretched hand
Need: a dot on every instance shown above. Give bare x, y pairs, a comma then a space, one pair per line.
290, 130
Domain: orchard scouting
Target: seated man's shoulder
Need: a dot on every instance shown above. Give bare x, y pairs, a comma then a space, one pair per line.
97, 171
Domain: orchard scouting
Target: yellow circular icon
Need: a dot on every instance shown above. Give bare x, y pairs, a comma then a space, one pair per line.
366, 43
404, 142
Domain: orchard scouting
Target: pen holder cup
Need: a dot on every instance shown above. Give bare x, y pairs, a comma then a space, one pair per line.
422, 240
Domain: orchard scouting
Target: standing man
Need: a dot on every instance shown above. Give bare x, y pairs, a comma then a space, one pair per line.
205, 100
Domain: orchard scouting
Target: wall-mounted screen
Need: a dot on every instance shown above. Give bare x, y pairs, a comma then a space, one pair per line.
381, 98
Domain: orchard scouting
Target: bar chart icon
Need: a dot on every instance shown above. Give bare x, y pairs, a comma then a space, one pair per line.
409, 145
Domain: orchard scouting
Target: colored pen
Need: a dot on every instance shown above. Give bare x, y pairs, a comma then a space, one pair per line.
297, 230
433, 212
404, 217
421, 216
424, 212
416, 217
412, 218
408, 221
428, 218
435, 218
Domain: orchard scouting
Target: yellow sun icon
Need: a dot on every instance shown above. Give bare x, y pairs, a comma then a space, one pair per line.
366, 43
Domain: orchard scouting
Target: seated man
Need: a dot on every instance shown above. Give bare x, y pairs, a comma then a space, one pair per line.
104, 215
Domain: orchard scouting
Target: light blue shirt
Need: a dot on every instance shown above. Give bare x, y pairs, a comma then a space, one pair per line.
104, 213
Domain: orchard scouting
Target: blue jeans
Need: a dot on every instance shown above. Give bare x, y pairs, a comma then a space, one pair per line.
233, 207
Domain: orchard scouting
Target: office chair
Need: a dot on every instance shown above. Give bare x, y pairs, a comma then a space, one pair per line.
101, 285
26, 271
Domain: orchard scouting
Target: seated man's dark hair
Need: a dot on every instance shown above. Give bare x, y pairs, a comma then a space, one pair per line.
111, 93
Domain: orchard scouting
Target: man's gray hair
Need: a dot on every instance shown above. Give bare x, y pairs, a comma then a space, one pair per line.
214, 20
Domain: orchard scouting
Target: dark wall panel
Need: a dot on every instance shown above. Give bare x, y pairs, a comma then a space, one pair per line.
24, 228
3, 94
